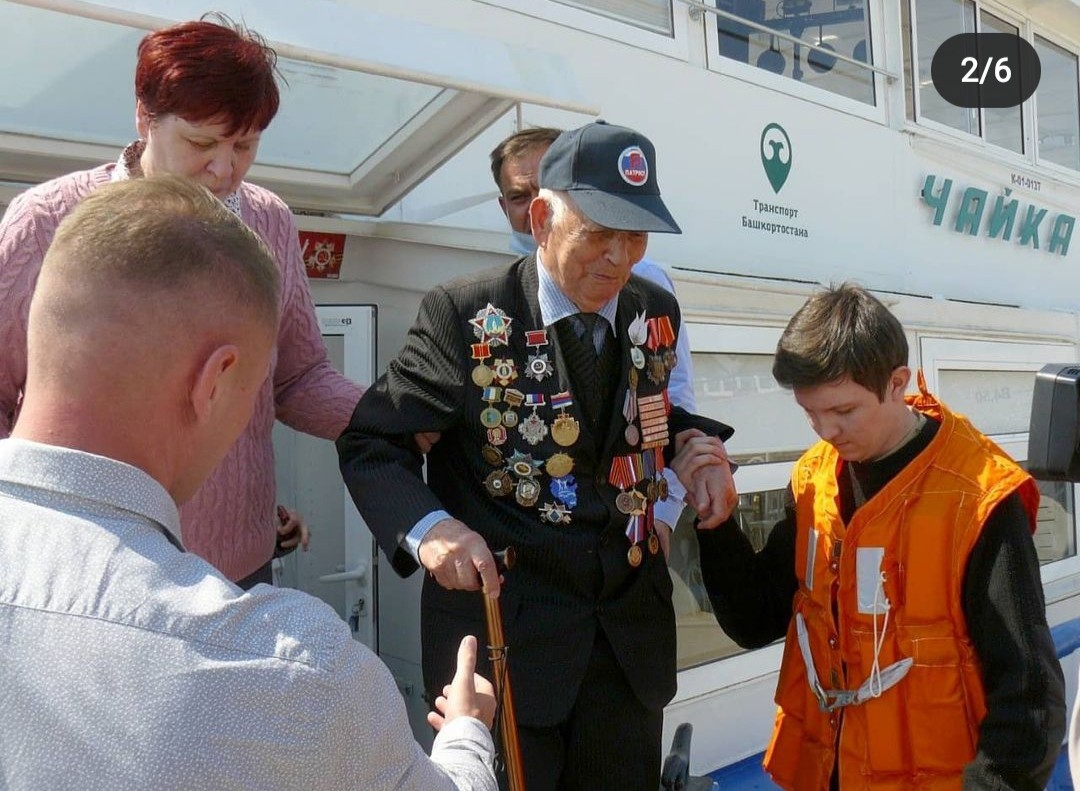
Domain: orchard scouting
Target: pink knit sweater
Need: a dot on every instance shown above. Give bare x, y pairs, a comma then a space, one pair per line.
230, 521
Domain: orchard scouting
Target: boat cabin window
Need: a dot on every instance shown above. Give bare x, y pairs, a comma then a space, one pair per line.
835, 26
990, 382
733, 382
1053, 111
1057, 102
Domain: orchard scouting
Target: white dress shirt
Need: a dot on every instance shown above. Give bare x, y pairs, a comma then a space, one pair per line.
130, 664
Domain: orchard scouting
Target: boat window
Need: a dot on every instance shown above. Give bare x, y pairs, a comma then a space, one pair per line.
1004, 125
1053, 112
935, 22
1057, 101
991, 383
733, 383
834, 26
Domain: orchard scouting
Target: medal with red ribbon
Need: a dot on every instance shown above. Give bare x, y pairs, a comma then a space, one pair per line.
656, 370
536, 338
482, 375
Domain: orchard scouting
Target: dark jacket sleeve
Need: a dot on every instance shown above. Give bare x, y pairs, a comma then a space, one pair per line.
1020, 737
751, 592
422, 390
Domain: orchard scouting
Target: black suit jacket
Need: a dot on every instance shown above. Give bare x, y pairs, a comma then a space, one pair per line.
571, 578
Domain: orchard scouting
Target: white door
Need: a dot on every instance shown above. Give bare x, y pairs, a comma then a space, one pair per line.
339, 567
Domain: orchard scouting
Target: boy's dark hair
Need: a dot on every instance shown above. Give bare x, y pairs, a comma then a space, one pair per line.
843, 331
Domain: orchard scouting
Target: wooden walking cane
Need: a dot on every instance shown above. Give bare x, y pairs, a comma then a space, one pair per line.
501, 681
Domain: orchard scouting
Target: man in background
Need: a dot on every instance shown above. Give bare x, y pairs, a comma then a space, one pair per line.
128, 662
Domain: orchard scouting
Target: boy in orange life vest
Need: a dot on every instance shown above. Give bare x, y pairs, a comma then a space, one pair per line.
903, 574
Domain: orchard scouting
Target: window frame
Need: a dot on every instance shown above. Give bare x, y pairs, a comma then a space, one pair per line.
935, 130
727, 671
1074, 49
677, 45
956, 353
930, 352
746, 72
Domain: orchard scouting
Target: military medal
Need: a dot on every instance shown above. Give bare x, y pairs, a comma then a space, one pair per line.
492, 325
498, 483
638, 332
555, 513
481, 374
564, 490
564, 429
559, 465
490, 417
657, 370
492, 455
504, 370
622, 477
496, 435
514, 398
661, 335
654, 543
523, 465
527, 492
533, 429
630, 412
539, 367
667, 338
626, 472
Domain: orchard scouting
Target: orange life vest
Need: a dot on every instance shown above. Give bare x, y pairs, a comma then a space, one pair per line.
883, 589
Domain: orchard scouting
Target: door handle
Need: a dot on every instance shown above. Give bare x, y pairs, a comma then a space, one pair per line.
359, 573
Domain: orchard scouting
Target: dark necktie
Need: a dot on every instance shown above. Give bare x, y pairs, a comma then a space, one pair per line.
589, 320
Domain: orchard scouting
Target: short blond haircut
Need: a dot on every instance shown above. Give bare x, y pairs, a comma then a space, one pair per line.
165, 239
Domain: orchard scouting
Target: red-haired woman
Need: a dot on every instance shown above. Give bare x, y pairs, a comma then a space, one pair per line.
205, 91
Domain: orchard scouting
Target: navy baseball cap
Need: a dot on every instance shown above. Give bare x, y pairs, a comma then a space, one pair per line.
610, 171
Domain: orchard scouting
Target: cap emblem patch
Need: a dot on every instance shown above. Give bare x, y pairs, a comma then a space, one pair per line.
633, 167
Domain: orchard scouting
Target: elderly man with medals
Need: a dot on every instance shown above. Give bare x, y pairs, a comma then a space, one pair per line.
548, 381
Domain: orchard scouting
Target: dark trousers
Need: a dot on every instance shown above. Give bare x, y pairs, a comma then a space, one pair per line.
609, 740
